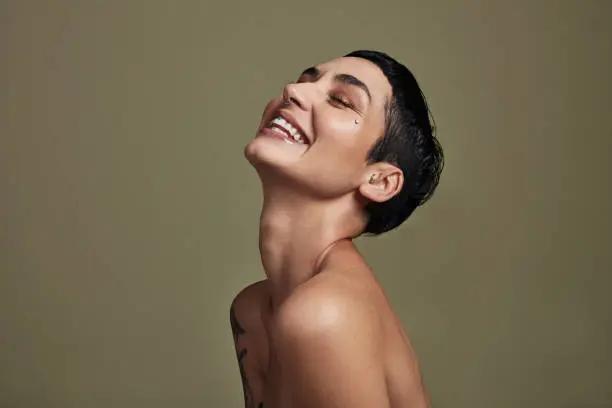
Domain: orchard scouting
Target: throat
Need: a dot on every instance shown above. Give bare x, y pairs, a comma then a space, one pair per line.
296, 233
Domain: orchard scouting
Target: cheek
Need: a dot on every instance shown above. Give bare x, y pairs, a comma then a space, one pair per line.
339, 126
343, 136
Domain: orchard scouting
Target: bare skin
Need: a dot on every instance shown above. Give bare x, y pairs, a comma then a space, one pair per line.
377, 366
319, 331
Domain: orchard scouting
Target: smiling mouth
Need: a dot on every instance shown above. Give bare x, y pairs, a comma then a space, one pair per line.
287, 130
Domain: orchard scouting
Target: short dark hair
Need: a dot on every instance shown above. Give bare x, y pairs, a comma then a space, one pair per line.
408, 142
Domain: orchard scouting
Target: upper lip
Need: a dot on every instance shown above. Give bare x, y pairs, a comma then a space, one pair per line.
285, 114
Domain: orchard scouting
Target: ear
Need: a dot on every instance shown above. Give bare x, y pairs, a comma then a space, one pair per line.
381, 182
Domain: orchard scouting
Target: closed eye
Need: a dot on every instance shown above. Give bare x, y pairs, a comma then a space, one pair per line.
335, 99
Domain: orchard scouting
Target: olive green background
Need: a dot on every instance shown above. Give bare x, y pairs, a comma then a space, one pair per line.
129, 216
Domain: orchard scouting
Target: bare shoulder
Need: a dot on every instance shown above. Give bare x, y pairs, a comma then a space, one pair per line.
328, 343
250, 296
331, 303
252, 291
246, 309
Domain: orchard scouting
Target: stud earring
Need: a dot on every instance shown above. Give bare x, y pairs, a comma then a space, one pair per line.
356, 121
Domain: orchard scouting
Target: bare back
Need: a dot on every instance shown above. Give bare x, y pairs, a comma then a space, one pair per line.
263, 385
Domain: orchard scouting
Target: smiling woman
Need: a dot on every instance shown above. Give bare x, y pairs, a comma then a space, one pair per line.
347, 137
125, 219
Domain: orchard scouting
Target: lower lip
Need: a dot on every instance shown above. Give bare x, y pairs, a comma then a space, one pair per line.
277, 134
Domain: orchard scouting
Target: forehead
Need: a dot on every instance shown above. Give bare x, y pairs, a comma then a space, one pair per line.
363, 70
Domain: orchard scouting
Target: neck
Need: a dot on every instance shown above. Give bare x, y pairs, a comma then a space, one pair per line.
297, 233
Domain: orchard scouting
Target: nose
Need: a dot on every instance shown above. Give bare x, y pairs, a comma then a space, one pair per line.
297, 94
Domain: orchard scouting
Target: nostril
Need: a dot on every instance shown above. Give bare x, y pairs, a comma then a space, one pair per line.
296, 101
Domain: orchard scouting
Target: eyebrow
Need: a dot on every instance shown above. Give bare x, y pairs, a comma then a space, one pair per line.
344, 78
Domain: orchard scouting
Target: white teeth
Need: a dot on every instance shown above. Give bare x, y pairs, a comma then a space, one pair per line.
295, 135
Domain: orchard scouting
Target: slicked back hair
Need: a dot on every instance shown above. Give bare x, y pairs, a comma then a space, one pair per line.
408, 142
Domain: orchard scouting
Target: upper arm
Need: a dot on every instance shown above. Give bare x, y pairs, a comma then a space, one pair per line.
330, 354
248, 340
245, 320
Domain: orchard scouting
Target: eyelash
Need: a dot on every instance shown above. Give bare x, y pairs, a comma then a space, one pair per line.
342, 101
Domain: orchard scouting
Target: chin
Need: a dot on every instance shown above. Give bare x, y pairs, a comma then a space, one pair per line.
285, 174
272, 162
267, 152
